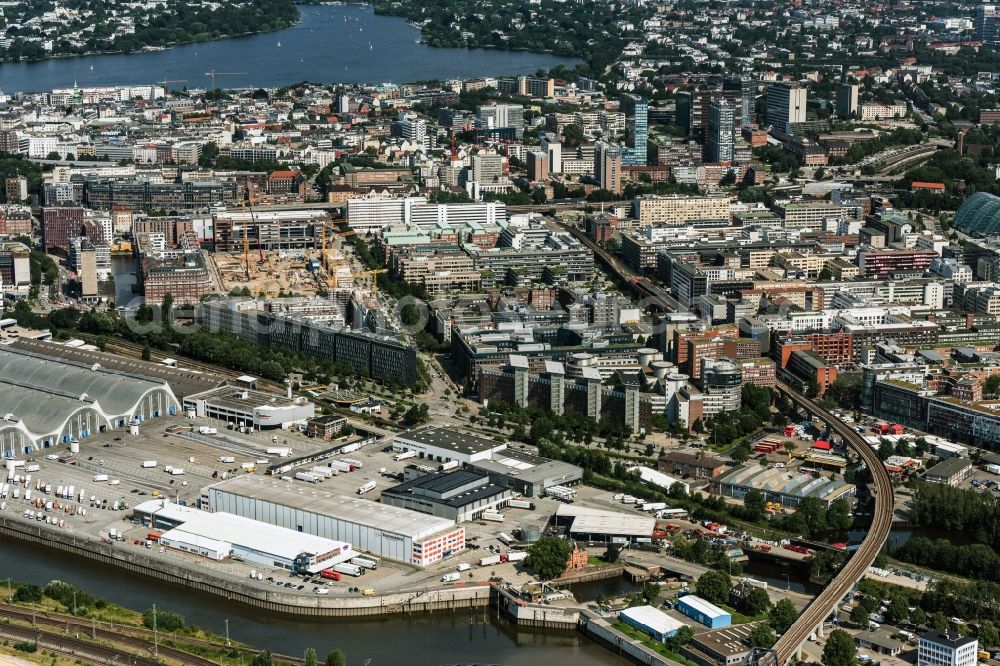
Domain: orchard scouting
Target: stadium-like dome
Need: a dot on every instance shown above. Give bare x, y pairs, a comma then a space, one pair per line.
980, 214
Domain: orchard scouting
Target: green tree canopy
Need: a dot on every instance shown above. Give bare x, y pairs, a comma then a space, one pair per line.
714, 586
839, 649
548, 557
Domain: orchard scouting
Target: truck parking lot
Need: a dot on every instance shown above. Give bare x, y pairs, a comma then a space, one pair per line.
115, 471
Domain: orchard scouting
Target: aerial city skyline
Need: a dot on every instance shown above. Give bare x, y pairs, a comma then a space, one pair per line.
657, 332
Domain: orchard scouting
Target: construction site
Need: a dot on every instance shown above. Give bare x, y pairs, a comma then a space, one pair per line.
284, 253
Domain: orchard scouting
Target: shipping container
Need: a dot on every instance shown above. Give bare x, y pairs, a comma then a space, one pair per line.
176, 471
516, 555
329, 574
364, 563
451, 464
324, 472
226, 459
307, 477
404, 455
366, 488
339, 466
492, 516
356, 464
148, 464
489, 561
450, 577
521, 504
281, 452
351, 447
97, 478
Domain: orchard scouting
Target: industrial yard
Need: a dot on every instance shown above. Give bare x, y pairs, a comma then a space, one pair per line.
115, 471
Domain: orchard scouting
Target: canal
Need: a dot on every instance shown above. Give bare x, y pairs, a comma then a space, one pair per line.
418, 640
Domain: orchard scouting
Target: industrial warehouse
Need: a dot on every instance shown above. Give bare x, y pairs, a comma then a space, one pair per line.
521, 472
586, 524
387, 531
460, 495
250, 408
779, 484
220, 535
54, 401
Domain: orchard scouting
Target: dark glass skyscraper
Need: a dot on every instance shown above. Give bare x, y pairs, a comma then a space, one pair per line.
636, 154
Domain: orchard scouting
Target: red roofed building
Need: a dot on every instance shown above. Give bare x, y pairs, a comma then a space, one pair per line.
933, 187
285, 183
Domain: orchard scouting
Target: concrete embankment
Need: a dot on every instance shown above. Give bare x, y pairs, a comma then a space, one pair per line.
417, 601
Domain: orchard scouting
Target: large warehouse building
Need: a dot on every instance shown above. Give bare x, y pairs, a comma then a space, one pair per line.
47, 401
387, 531
460, 495
220, 535
586, 524
780, 484
527, 474
250, 408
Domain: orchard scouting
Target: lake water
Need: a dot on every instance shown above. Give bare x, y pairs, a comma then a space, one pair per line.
330, 44
419, 640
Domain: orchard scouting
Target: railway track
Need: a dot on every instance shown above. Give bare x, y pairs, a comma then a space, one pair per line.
76, 648
133, 350
816, 613
125, 635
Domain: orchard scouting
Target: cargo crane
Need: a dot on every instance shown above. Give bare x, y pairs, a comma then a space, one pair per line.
248, 201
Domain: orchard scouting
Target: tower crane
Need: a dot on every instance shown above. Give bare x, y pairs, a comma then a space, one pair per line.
212, 74
166, 90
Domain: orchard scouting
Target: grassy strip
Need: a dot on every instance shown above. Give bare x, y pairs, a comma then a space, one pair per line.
654, 645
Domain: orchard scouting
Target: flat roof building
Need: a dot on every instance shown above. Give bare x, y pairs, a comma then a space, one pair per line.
446, 444
941, 648
248, 407
219, 535
459, 495
585, 524
704, 612
527, 474
651, 621
384, 530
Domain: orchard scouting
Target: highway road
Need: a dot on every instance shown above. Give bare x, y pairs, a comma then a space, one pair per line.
824, 604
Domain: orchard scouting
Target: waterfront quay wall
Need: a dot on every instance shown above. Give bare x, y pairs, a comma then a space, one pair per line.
601, 630
419, 601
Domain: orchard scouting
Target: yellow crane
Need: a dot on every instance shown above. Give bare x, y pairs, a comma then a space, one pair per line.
212, 74
330, 264
374, 275
166, 90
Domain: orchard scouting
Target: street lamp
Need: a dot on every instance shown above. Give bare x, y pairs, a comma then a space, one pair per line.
788, 582
227, 632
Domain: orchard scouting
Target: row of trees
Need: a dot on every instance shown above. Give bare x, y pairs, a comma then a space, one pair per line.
946, 507
974, 560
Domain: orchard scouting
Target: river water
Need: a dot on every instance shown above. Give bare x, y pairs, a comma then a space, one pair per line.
330, 44
420, 640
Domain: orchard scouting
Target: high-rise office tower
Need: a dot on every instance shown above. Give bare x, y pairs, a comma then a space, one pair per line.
501, 116
747, 88
786, 105
720, 142
987, 18
847, 99
551, 147
636, 154
608, 167
538, 165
